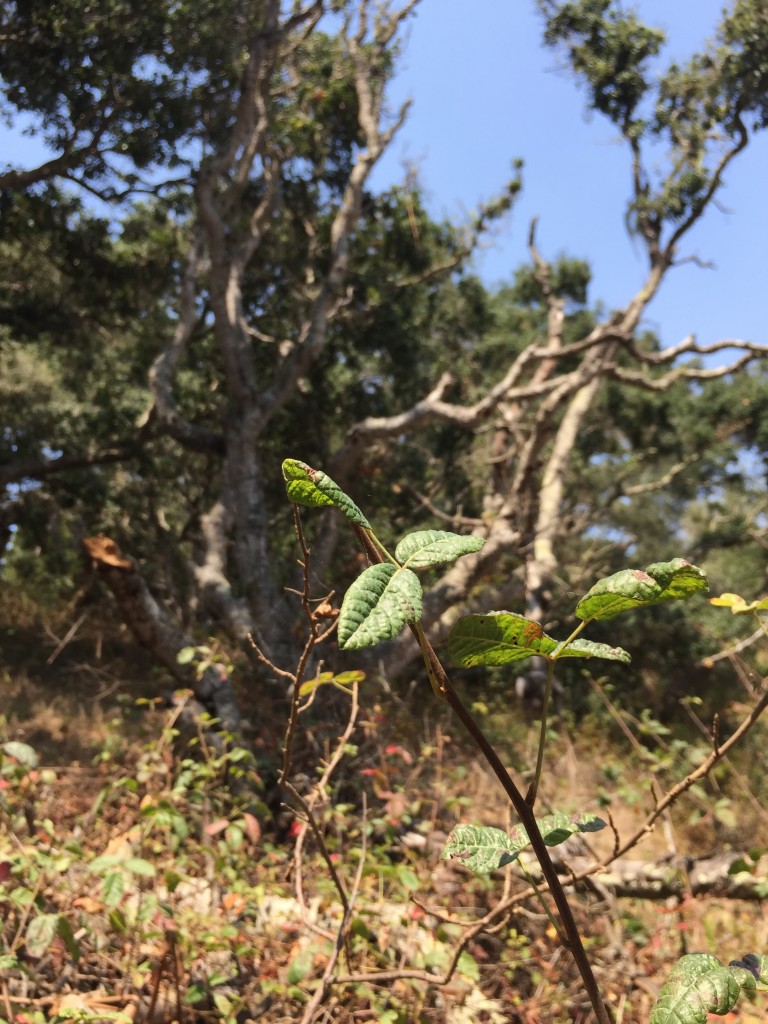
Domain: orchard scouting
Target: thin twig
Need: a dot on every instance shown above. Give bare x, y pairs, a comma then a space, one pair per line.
327, 979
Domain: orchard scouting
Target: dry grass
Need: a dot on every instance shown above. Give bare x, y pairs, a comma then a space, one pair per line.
77, 709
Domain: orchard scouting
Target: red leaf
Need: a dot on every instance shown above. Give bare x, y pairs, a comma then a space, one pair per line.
216, 827
400, 751
252, 827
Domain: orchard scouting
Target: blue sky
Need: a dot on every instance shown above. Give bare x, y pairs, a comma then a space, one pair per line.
485, 91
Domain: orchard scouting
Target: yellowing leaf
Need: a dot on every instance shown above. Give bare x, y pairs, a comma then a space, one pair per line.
728, 601
738, 605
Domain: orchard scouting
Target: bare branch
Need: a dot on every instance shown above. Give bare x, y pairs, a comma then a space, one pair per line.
162, 371
559, 388
714, 185
668, 380
648, 225
456, 518
41, 467
696, 261
432, 408
369, 88
554, 303
663, 481
690, 345
737, 648
71, 156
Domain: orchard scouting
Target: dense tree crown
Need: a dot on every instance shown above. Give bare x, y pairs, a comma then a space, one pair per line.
201, 281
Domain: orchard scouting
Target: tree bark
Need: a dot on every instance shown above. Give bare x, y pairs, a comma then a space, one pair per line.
155, 631
674, 876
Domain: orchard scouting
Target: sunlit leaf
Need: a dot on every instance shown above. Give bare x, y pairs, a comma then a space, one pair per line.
300, 966
139, 866
484, 849
314, 488
468, 966
699, 985
21, 752
499, 638
637, 588
481, 848
112, 888
348, 678
326, 678
40, 933
434, 547
381, 601
738, 605
589, 649
312, 684
252, 827
556, 828
408, 878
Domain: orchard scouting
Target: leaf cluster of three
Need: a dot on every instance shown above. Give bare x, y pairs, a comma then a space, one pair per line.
387, 596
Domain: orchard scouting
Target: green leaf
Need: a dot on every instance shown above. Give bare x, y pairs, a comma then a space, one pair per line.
117, 920
468, 966
68, 938
499, 638
40, 933
589, 649
340, 679
186, 655
381, 601
408, 878
99, 865
139, 866
756, 964
314, 488
638, 588
312, 684
112, 888
699, 985
556, 828
484, 849
21, 752
480, 847
434, 547
354, 675
300, 966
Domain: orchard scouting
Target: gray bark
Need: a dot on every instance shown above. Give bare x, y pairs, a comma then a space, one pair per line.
155, 630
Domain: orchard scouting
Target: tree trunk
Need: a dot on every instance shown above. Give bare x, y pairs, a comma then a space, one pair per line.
153, 628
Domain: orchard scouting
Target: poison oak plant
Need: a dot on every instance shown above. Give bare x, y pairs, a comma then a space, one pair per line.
387, 597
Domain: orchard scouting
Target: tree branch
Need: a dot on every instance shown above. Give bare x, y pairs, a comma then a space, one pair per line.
40, 468
667, 380
152, 627
313, 335
163, 370
690, 345
714, 185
